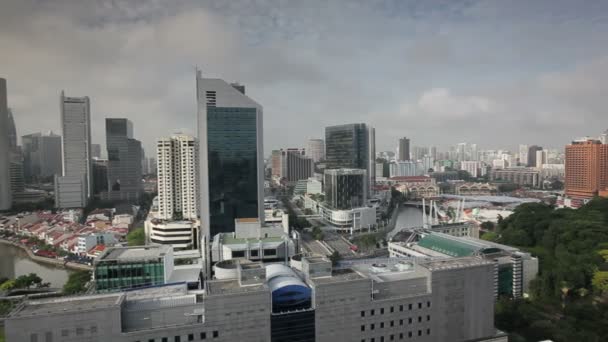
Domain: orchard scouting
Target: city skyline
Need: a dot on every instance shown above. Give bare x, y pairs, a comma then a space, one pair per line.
425, 57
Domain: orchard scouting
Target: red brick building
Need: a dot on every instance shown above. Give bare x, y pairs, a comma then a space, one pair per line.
586, 169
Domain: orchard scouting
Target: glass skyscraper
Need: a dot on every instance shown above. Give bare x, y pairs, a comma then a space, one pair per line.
124, 161
351, 146
230, 156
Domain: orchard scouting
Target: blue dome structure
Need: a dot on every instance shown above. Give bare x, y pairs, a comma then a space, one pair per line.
289, 292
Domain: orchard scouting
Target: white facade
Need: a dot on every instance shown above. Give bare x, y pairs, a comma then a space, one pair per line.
5, 183
86, 242
316, 149
541, 158
474, 168
181, 235
523, 154
76, 153
177, 172
406, 168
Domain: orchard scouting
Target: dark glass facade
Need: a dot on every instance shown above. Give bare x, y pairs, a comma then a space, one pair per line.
345, 189
112, 275
233, 174
347, 146
293, 327
124, 161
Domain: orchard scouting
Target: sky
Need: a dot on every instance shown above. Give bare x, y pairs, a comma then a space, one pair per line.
496, 73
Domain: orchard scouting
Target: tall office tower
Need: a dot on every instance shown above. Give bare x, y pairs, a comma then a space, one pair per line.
316, 149
474, 154
541, 158
100, 176
73, 188
586, 169
532, 155
523, 155
433, 152
295, 165
145, 170
95, 151
275, 163
41, 156
345, 188
404, 149
5, 182
12, 131
177, 177
231, 156
16, 173
461, 151
351, 146
124, 161
152, 165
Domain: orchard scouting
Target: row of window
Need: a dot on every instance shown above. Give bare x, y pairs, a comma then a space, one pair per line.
401, 307
392, 323
394, 337
48, 336
190, 337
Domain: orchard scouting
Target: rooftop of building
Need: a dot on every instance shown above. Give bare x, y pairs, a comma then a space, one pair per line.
232, 286
66, 305
135, 253
412, 178
455, 263
229, 239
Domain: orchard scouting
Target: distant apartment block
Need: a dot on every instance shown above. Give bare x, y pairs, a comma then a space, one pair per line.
586, 169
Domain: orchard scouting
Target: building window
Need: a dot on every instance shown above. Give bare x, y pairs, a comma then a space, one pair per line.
93, 329
392, 323
363, 328
410, 307
401, 308
381, 338
372, 312
48, 337
392, 338
382, 311
428, 331
79, 331
419, 332
363, 313
409, 320
428, 317
419, 305
401, 336
372, 326
409, 334
33, 337
65, 333
177, 339
151, 340
428, 304
400, 322
216, 334
203, 336
165, 339
392, 309
190, 337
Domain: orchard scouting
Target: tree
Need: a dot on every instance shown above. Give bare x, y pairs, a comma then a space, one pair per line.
317, 233
8, 285
600, 282
77, 282
488, 225
136, 237
335, 258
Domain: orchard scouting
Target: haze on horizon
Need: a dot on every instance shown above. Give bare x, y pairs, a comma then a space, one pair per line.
495, 73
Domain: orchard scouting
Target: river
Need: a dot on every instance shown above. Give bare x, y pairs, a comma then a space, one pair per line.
15, 262
408, 217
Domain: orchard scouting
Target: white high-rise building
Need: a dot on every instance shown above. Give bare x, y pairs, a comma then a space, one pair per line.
316, 149
523, 154
541, 158
604, 137
73, 188
474, 168
177, 172
5, 182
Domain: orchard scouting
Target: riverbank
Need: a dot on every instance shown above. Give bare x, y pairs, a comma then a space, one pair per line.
49, 261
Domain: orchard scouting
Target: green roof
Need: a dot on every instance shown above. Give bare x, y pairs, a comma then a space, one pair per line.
447, 246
